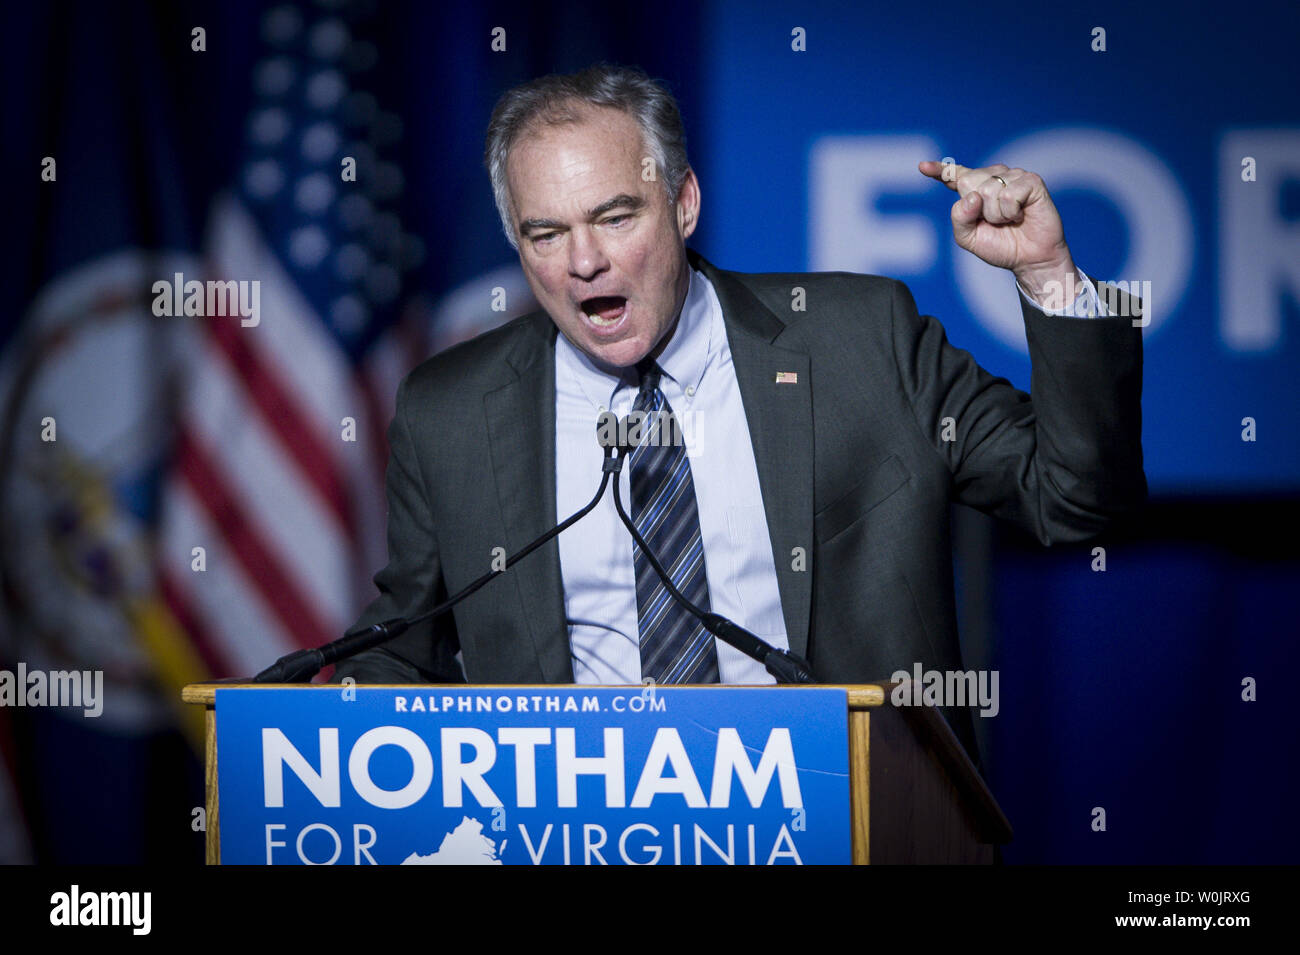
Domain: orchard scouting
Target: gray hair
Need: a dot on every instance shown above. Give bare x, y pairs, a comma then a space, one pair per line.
556, 99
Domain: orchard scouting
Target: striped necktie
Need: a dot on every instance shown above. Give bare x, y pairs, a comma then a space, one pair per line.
675, 647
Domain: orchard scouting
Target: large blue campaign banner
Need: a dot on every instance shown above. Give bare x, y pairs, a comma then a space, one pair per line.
1168, 137
533, 776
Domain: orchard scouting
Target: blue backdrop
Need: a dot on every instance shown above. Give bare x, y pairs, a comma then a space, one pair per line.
811, 161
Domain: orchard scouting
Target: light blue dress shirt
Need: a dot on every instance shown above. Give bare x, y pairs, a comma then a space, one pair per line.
700, 383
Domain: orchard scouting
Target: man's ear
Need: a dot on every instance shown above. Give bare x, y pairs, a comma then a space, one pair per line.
687, 205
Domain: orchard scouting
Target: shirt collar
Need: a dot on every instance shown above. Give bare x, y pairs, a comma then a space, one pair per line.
684, 360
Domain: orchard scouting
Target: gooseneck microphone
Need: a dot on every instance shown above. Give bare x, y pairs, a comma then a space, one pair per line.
785, 667
302, 665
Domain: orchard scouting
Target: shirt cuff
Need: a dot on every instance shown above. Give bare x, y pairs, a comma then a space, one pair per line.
1086, 304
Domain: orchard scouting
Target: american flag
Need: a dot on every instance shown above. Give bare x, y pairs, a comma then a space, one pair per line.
279, 447
262, 446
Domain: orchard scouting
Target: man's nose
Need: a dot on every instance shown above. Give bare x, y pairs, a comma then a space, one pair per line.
587, 257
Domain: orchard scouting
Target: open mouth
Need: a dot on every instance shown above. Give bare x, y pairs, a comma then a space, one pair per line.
605, 311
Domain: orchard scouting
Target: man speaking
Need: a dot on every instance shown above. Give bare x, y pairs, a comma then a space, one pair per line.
830, 426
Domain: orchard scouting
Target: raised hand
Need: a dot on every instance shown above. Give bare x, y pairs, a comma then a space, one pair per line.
1007, 218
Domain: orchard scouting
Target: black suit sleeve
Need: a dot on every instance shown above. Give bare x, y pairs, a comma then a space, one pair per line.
1061, 464
411, 583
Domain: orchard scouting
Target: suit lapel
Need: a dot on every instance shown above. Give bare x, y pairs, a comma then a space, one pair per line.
521, 432
781, 431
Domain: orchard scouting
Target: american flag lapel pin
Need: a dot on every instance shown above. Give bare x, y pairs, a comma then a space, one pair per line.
787, 377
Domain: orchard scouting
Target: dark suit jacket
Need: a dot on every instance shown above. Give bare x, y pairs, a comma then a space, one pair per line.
855, 470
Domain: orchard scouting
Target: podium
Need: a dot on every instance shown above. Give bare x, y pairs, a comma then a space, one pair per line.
915, 797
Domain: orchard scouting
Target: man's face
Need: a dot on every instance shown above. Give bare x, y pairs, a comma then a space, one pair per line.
603, 250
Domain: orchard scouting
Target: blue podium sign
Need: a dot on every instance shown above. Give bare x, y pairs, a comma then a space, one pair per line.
533, 776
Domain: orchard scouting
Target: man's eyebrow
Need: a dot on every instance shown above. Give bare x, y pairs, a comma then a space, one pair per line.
530, 224
621, 201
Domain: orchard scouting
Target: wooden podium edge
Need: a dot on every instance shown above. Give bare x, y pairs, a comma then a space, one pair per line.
992, 824
205, 694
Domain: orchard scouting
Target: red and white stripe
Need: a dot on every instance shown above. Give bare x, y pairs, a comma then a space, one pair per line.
291, 516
